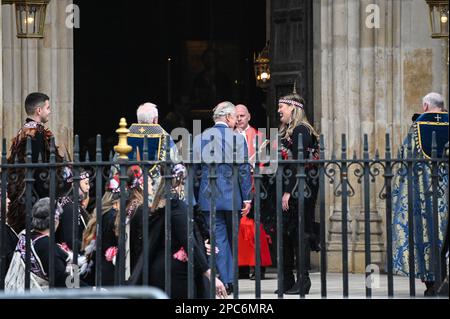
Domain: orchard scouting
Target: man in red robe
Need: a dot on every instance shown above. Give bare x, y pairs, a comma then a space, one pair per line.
246, 238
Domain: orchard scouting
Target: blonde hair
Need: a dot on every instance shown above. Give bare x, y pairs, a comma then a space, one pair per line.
298, 117
107, 204
159, 200
136, 199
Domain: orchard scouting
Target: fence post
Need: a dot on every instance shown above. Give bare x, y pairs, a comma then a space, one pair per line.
344, 177
257, 213
212, 219
388, 182
323, 247
279, 191
122, 149
99, 215
190, 216
435, 213
367, 246
51, 275
3, 189
168, 218
410, 181
301, 216
29, 180
145, 214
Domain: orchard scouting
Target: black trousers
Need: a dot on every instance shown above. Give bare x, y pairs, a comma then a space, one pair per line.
291, 251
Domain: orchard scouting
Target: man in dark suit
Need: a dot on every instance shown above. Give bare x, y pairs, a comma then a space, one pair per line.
215, 145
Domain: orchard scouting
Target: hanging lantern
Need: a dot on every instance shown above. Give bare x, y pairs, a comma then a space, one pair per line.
30, 17
262, 68
438, 18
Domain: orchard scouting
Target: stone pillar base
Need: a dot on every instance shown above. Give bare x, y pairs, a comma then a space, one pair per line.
376, 242
334, 261
334, 247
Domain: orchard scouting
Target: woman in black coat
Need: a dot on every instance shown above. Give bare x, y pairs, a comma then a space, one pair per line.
293, 123
179, 271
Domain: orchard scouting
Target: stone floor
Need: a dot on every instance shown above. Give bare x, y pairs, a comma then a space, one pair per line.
334, 287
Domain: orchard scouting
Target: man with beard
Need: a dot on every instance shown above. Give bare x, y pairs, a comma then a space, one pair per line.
37, 107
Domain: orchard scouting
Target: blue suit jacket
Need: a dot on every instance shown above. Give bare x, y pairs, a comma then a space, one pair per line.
222, 146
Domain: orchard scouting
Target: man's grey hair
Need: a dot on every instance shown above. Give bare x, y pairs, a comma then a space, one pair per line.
434, 99
223, 109
146, 113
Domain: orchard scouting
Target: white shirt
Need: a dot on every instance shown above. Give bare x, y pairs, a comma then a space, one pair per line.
220, 122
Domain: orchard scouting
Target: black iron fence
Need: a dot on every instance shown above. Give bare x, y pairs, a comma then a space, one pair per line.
341, 175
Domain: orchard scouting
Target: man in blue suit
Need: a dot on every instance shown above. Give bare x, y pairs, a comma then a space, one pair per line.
215, 145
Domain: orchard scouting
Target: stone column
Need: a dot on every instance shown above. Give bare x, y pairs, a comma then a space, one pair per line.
340, 92
371, 94
44, 65
371, 81
445, 57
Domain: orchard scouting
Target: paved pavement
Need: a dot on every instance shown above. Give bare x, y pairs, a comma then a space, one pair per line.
334, 287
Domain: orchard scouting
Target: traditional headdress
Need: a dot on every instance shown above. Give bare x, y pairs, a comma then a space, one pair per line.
113, 185
68, 175
138, 178
292, 102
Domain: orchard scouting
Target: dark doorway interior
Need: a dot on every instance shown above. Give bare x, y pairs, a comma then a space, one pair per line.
121, 60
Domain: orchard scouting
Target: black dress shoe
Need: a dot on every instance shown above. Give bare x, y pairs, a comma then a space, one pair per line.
430, 292
229, 289
253, 276
295, 290
431, 289
285, 288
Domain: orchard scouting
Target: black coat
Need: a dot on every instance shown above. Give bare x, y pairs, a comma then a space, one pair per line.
64, 233
290, 218
109, 239
41, 246
10, 244
157, 251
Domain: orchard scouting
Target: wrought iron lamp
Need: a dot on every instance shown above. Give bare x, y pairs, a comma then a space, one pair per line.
438, 18
262, 68
30, 17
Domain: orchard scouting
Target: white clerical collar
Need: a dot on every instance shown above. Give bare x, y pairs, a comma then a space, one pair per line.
222, 123
244, 131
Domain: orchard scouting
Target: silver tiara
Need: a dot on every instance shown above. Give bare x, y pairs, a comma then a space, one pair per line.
291, 102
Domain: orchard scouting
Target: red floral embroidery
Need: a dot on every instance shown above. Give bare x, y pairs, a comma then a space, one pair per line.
284, 154
64, 247
110, 253
181, 255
